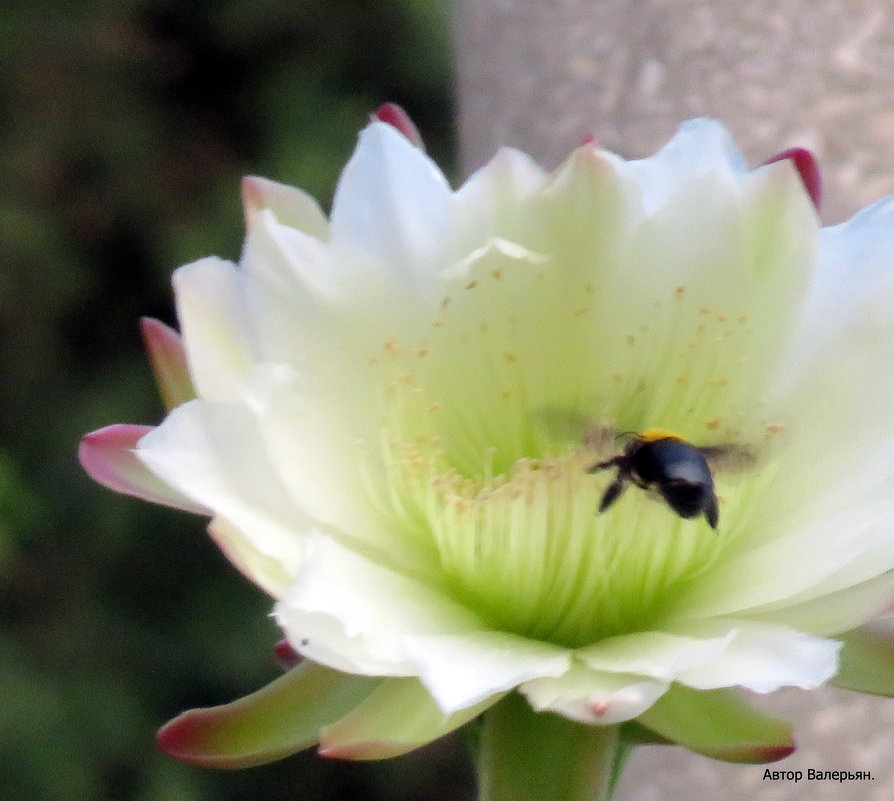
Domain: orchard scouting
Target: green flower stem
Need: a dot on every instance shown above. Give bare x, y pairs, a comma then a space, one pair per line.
525, 755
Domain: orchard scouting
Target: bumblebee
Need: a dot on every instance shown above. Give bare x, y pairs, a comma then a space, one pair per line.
664, 462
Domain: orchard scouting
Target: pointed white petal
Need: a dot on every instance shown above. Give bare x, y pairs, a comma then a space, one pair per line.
701, 149
212, 453
292, 206
214, 327
494, 203
848, 304
391, 206
289, 261
321, 448
317, 308
356, 615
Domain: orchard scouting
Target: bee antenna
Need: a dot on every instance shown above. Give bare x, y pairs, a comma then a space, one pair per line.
626, 435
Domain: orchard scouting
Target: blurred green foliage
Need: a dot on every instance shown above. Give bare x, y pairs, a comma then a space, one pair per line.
125, 128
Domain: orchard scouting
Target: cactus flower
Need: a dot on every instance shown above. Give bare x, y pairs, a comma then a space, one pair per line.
391, 416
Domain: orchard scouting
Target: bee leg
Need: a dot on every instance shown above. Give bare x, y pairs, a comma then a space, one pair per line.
711, 511
614, 462
612, 493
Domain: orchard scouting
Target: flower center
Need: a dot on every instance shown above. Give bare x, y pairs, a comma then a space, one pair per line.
501, 495
525, 546
531, 553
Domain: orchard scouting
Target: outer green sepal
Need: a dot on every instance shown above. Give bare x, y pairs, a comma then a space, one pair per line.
280, 719
531, 756
634, 733
719, 724
866, 661
398, 716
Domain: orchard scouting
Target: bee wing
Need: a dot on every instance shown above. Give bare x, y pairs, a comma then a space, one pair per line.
729, 457
561, 423
599, 440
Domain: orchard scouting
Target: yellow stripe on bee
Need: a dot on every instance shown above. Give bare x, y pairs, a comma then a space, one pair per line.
655, 434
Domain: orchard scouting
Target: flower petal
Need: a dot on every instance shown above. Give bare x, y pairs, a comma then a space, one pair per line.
674, 343
719, 724
212, 318
267, 570
322, 453
291, 266
391, 205
168, 359
469, 668
307, 470
314, 307
656, 654
835, 612
763, 658
109, 456
593, 696
707, 345
292, 206
700, 148
202, 450
848, 303
354, 615
846, 550
805, 163
284, 717
398, 716
494, 203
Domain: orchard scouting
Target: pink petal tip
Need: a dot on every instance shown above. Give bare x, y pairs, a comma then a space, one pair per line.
178, 737
397, 118
254, 192
286, 656
107, 455
807, 168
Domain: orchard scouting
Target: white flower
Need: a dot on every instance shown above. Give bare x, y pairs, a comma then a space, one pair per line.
391, 428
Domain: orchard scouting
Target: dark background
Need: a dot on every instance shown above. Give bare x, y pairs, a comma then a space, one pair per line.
125, 128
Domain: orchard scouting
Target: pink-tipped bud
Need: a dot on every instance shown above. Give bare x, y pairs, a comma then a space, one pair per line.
807, 168
590, 139
397, 118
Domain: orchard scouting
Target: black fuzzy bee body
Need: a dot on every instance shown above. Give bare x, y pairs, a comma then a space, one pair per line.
664, 462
